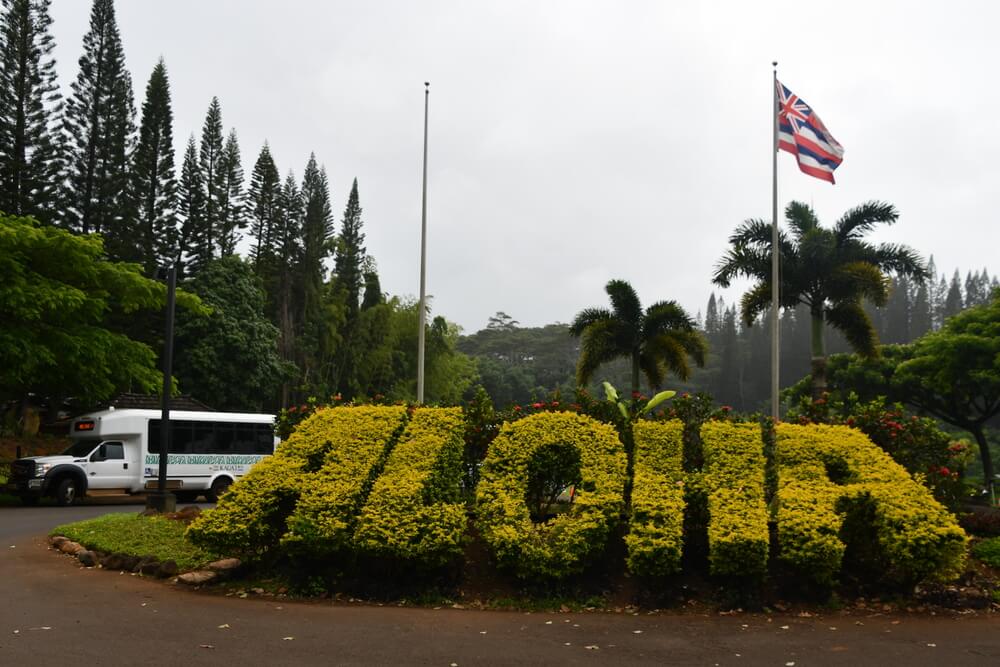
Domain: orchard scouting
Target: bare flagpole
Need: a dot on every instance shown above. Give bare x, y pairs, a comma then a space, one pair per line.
775, 275
423, 261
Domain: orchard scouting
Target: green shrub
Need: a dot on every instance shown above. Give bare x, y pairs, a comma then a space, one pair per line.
826, 472
353, 444
565, 544
414, 512
734, 481
988, 551
656, 525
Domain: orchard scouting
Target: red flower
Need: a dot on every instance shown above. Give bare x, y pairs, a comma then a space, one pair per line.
292, 409
726, 408
636, 395
517, 408
555, 404
537, 405
337, 397
943, 471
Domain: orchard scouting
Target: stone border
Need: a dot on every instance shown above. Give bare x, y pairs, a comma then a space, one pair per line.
148, 566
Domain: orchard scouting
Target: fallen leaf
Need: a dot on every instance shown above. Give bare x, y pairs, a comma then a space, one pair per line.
784, 627
637, 632
548, 622
567, 644
224, 625
287, 639
592, 647
482, 632
789, 664
932, 645
17, 632
206, 646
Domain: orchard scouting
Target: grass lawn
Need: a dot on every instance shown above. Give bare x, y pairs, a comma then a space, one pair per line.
138, 536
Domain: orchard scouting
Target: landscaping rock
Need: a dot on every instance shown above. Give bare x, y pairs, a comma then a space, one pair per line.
149, 512
225, 566
115, 561
197, 578
130, 563
70, 547
168, 568
87, 558
148, 566
57, 540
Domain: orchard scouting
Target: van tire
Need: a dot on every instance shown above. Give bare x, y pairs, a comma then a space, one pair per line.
66, 491
219, 486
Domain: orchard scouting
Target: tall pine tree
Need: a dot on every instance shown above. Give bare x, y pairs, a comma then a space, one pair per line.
29, 101
317, 246
289, 257
348, 281
154, 185
98, 129
191, 205
232, 213
263, 199
212, 173
953, 301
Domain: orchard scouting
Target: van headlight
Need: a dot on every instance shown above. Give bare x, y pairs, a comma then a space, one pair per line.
41, 469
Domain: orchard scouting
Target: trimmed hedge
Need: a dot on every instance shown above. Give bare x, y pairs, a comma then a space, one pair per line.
253, 517
355, 444
415, 511
563, 545
656, 526
249, 519
738, 539
827, 472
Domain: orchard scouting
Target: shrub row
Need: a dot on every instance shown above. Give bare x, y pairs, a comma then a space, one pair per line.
656, 526
827, 472
565, 544
415, 511
734, 483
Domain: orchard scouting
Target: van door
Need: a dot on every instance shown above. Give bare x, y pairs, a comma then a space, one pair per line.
108, 467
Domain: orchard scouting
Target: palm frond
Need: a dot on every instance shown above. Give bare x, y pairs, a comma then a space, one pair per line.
598, 346
624, 301
855, 280
754, 302
586, 317
861, 219
902, 261
801, 218
850, 319
665, 316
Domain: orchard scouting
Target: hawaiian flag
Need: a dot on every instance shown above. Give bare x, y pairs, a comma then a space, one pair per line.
802, 133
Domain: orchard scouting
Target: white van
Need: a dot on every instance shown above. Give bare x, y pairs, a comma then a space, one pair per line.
117, 452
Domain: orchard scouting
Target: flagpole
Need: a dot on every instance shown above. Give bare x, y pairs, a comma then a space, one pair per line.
775, 275
423, 261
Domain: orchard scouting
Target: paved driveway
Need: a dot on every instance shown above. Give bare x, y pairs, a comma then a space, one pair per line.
53, 612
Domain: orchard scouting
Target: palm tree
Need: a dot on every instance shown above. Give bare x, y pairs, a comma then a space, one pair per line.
829, 270
657, 341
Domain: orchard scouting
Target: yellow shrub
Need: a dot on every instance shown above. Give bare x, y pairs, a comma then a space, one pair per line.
917, 536
415, 511
352, 444
734, 481
656, 526
563, 545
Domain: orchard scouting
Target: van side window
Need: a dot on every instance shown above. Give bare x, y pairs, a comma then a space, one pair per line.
111, 450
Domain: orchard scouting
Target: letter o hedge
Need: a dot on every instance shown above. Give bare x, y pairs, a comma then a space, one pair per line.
563, 545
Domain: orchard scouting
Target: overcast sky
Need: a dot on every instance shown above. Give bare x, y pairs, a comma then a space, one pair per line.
574, 142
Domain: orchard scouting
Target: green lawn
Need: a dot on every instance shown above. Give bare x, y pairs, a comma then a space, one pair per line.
138, 536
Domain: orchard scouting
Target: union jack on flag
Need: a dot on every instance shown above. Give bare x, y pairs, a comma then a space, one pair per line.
802, 133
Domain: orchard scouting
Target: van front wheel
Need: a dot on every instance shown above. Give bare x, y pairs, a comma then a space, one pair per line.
219, 487
66, 491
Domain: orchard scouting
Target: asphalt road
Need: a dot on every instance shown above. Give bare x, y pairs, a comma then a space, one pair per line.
53, 612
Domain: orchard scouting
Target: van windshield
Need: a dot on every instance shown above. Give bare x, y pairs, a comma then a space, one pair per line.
82, 447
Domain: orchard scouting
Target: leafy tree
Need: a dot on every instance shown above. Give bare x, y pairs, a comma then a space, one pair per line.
229, 359
57, 297
656, 341
29, 98
954, 374
831, 271
98, 129
232, 213
154, 185
213, 174
191, 205
501, 321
